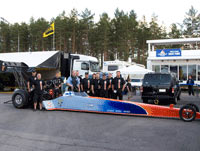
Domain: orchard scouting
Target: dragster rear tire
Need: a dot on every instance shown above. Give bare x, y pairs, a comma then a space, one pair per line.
187, 113
20, 99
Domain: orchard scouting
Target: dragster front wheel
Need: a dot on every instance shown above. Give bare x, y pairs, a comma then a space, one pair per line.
187, 113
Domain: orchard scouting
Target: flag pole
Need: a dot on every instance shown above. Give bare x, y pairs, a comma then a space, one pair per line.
54, 41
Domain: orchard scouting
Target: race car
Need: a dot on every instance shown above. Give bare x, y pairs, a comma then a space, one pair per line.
75, 101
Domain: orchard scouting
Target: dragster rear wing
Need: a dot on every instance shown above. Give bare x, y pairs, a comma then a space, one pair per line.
19, 70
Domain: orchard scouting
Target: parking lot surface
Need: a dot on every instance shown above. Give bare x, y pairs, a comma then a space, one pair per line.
25, 130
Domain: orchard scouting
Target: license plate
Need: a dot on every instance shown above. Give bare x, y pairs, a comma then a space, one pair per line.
162, 90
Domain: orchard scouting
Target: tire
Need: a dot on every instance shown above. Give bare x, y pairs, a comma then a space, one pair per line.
20, 99
187, 113
145, 100
194, 106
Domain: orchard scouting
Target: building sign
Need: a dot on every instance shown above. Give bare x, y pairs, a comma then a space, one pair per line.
168, 52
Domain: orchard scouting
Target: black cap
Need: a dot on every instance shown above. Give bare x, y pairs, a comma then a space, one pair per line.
104, 74
86, 73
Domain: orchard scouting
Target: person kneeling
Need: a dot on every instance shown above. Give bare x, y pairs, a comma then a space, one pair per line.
38, 92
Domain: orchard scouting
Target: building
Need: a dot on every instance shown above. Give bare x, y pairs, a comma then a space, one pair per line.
170, 55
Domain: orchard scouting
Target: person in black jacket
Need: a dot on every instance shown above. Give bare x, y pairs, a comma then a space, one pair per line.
95, 86
57, 82
103, 87
109, 81
86, 84
30, 84
39, 86
190, 83
118, 85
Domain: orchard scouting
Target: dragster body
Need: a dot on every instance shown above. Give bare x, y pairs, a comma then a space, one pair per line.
73, 101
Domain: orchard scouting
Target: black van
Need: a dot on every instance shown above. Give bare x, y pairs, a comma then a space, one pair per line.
160, 86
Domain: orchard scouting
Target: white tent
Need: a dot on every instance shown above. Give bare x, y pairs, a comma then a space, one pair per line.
134, 72
32, 59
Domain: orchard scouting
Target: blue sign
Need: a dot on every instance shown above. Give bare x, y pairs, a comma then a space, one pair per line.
168, 52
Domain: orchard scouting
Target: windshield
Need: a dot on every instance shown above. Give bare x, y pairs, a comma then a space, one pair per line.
94, 67
157, 79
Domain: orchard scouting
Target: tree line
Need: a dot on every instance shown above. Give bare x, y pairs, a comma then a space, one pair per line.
122, 36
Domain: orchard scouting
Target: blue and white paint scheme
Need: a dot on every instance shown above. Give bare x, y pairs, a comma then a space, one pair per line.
81, 102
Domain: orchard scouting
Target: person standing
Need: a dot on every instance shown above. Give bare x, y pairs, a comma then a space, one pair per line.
190, 83
79, 76
118, 85
128, 88
73, 82
109, 81
57, 82
39, 84
95, 86
30, 84
103, 87
86, 84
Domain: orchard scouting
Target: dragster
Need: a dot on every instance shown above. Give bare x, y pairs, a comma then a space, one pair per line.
74, 101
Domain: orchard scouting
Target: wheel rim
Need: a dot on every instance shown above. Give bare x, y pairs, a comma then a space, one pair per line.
156, 101
187, 114
18, 99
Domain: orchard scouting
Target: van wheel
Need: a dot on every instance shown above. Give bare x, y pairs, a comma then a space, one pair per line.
19, 99
145, 100
187, 113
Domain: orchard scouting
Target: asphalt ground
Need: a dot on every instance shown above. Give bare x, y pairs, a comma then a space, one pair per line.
25, 130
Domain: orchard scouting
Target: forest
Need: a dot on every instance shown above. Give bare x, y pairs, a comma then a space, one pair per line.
120, 37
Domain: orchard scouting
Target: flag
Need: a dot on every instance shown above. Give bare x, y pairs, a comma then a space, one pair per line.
49, 31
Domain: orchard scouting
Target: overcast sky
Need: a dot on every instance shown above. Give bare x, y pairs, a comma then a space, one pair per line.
168, 11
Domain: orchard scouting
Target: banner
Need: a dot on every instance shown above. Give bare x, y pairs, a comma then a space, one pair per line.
168, 52
49, 31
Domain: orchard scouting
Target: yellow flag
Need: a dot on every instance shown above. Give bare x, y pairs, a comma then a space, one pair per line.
49, 31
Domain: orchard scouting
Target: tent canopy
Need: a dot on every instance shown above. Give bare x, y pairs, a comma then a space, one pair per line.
134, 71
40, 59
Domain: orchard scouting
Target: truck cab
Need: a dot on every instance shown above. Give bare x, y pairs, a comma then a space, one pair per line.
79, 62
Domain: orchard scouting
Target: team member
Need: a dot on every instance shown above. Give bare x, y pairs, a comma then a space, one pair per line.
103, 87
92, 81
118, 85
79, 76
95, 86
86, 84
30, 83
73, 82
128, 87
190, 83
57, 82
38, 91
109, 81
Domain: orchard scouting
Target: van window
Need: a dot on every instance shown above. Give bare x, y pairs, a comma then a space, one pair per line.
84, 66
112, 67
157, 79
